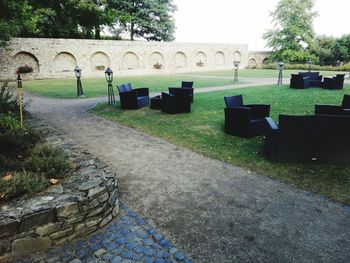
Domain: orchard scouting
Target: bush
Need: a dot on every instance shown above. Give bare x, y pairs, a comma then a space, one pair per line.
24, 69
8, 122
8, 101
50, 161
345, 67
22, 183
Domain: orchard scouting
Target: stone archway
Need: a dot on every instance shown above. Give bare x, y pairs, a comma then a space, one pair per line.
156, 60
99, 61
252, 63
237, 56
201, 59
64, 62
26, 58
219, 59
180, 60
130, 61
265, 61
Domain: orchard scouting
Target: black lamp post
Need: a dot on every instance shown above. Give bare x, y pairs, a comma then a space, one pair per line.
280, 74
236, 65
109, 79
19, 86
77, 72
309, 63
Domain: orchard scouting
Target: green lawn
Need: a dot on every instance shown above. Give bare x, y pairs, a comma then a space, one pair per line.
202, 131
66, 88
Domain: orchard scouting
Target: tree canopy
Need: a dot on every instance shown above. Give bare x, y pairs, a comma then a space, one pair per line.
292, 34
148, 19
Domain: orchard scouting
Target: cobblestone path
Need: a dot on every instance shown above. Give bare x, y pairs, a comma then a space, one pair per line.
209, 210
128, 239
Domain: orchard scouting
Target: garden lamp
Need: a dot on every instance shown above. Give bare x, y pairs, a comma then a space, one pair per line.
280, 74
19, 85
109, 79
236, 65
309, 63
77, 72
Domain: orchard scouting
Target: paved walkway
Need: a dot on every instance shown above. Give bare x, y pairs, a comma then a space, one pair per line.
212, 211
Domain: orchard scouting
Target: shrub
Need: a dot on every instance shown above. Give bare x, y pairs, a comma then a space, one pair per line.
345, 67
24, 69
50, 161
100, 67
8, 101
22, 183
8, 122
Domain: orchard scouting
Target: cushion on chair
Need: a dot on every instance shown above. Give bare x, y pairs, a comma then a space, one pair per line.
187, 84
234, 101
142, 101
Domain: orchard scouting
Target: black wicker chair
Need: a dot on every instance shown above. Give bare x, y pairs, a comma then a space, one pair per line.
309, 139
304, 80
336, 82
188, 85
133, 98
343, 109
178, 100
245, 121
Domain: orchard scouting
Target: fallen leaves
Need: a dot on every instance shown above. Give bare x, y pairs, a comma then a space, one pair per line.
54, 181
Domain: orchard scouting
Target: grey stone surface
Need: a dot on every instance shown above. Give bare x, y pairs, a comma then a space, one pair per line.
27, 245
68, 210
48, 229
38, 218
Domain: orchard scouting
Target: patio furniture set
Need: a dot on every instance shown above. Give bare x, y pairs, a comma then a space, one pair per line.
177, 100
319, 138
305, 80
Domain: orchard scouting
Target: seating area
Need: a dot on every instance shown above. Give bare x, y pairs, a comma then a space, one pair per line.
304, 80
133, 98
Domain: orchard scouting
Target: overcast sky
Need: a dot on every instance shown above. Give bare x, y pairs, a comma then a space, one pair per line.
244, 21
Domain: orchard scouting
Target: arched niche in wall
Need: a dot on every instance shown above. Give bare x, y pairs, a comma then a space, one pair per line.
201, 59
130, 61
237, 56
252, 62
23, 58
156, 60
265, 61
219, 59
64, 62
99, 61
180, 60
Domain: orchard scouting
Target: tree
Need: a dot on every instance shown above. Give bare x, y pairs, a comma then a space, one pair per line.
341, 49
148, 19
292, 34
322, 49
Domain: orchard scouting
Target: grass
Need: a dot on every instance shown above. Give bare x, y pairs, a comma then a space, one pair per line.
202, 132
66, 88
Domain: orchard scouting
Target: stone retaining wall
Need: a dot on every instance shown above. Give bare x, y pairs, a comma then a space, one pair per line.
85, 201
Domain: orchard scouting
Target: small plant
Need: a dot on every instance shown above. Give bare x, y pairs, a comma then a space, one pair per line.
24, 69
50, 161
8, 101
157, 65
8, 122
13, 185
200, 63
100, 67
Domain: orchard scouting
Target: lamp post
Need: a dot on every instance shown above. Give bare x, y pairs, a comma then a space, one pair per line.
19, 85
77, 72
109, 79
280, 73
309, 63
236, 65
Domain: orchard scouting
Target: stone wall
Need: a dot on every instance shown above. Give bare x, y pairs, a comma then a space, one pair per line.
257, 58
56, 58
85, 201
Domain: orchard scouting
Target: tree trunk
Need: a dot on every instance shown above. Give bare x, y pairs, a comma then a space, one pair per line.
97, 32
132, 31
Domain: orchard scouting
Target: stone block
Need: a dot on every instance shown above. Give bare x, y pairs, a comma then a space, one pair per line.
26, 246
68, 210
80, 227
115, 211
113, 197
48, 229
62, 233
96, 191
8, 226
103, 198
5, 246
96, 211
93, 221
39, 218
106, 220
90, 184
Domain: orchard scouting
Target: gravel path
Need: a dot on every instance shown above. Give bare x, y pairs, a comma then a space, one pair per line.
212, 211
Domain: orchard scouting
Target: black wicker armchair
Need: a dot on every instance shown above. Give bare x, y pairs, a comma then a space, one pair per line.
178, 100
133, 98
343, 109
